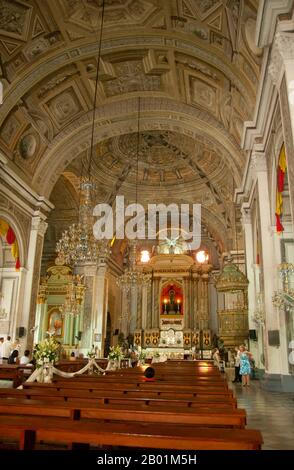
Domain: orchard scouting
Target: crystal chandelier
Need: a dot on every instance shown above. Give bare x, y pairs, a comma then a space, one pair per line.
284, 299
133, 276
78, 244
75, 293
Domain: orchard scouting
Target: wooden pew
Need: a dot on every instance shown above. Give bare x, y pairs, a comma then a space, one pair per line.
185, 415
129, 434
79, 411
12, 372
155, 390
110, 397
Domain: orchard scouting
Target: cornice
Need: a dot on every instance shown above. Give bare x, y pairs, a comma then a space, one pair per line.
14, 187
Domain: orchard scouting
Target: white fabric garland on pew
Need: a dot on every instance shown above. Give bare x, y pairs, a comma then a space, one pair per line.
47, 370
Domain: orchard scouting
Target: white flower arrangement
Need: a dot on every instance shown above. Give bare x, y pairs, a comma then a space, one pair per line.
115, 353
46, 351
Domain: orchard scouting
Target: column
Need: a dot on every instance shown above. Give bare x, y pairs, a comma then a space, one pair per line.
186, 303
36, 240
191, 301
133, 309
149, 305
43, 322
86, 326
205, 279
255, 347
281, 70
155, 316
195, 320
99, 309
139, 307
249, 254
144, 306
124, 316
200, 302
259, 168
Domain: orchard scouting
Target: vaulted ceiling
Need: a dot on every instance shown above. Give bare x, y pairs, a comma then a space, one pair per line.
193, 63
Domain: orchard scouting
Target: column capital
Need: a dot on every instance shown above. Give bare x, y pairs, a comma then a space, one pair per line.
258, 162
39, 224
282, 51
90, 270
246, 215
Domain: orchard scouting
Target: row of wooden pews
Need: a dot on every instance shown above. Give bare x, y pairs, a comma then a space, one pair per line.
188, 406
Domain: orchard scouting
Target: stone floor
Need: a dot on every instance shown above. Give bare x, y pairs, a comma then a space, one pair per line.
270, 412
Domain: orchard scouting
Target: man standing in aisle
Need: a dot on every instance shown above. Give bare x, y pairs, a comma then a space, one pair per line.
6, 348
238, 377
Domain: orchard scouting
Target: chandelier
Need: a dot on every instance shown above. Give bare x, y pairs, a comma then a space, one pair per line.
284, 298
75, 293
133, 276
78, 244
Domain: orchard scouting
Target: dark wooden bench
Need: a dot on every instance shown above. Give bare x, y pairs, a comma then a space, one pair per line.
12, 372
80, 410
156, 390
146, 435
109, 397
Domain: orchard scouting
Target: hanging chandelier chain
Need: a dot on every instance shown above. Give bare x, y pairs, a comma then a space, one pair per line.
96, 89
78, 244
138, 147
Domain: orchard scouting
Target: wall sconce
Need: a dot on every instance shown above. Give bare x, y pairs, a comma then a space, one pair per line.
145, 256
202, 257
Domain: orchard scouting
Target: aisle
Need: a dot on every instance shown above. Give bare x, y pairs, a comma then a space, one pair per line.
270, 412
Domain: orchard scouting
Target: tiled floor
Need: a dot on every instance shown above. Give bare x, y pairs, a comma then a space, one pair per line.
270, 412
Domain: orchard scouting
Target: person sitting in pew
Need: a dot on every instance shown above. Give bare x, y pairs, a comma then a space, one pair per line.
149, 374
13, 358
25, 359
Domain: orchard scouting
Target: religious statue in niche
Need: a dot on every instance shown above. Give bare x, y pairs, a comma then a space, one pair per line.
172, 300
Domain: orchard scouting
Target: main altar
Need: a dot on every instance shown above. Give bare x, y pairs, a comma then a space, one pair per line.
173, 310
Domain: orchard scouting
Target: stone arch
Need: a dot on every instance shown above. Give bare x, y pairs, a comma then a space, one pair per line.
162, 114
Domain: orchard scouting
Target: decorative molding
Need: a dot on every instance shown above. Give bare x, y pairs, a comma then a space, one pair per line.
258, 162
282, 51
268, 12
246, 217
39, 225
